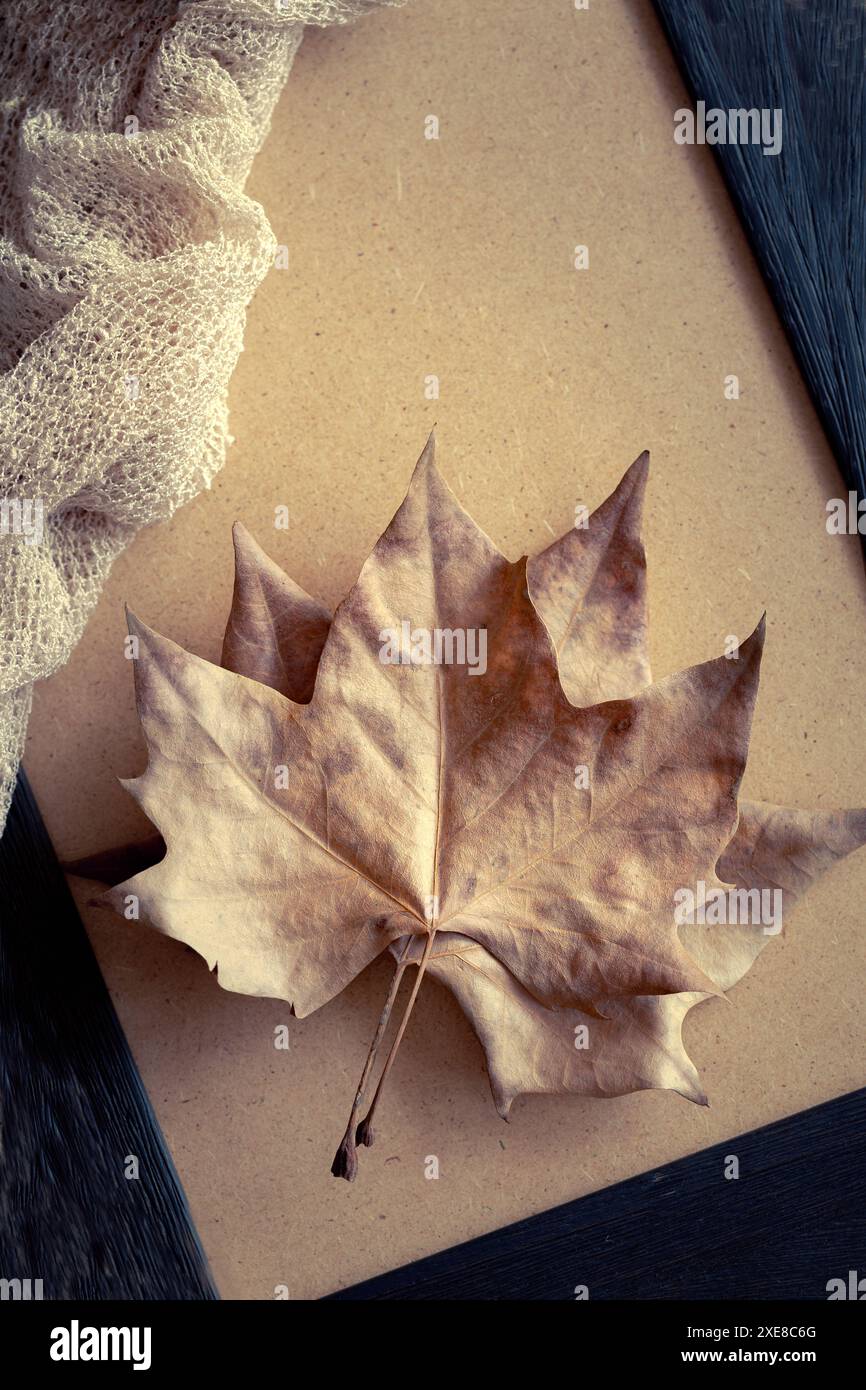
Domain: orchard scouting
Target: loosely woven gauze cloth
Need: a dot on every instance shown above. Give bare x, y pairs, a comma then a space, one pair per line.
129, 253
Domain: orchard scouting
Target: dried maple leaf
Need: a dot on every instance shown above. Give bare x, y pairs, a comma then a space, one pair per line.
319, 802
590, 588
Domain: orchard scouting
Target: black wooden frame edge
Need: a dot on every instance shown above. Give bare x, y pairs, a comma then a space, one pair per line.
793, 1219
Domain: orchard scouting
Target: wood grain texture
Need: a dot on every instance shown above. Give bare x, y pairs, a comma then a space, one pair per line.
73, 1107
803, 210
793, 1219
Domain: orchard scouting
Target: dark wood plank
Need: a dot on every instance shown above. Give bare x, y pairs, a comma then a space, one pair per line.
72, 1106
793, 1219
803, 210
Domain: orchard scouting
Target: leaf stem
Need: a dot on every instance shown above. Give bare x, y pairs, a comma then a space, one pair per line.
365, 1133
345, 1164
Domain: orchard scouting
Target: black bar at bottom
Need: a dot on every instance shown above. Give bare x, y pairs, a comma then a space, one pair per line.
210, 1339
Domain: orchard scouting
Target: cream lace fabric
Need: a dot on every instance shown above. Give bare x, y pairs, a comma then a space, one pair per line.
128, 255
